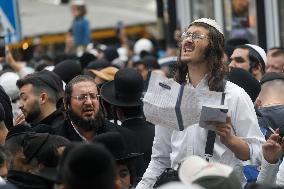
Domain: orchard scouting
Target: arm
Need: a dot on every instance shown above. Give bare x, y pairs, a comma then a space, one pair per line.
160, 159
238, 146
18, 67
12, 62
269, 166
243, 126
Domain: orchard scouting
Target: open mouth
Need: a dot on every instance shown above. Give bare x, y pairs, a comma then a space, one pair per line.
88, 110
188, 47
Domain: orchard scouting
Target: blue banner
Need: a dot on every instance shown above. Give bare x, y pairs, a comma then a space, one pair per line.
9, 21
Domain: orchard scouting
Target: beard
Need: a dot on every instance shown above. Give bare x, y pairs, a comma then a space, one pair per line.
204, 55
87, 124
34, 113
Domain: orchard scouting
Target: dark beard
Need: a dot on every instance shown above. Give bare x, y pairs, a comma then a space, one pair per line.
87, 124
34, 114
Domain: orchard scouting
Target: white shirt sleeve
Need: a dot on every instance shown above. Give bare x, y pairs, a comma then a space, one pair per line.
160, 159
280, 175
267, 174
245, 124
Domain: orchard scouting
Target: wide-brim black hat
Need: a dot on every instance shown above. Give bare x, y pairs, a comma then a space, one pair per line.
129, 157
125, 90
116, 144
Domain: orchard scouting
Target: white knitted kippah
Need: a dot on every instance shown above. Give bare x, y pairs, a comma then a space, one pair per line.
260, 51
209, 22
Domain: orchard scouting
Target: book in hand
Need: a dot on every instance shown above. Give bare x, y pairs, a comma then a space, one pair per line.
212, 113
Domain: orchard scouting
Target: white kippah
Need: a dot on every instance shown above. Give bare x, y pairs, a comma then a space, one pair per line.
260, 51
209, 22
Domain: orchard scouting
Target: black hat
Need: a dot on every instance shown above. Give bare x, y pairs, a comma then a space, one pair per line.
86, 58
51, 79
18, 130
36, 145
125, 90
67, 70
32, 144
245, 80
110, 53
98, 64
42, 146
116, 144
87, 166
271, 76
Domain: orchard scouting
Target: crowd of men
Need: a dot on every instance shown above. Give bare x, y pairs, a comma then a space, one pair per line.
77, 122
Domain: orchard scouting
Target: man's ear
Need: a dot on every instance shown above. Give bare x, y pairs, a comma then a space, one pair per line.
256, 69
43, 98
258, 102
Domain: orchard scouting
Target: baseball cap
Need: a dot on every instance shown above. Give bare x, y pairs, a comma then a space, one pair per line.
195, 170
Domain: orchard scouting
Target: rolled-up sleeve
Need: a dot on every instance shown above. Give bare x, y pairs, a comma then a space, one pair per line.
246, 126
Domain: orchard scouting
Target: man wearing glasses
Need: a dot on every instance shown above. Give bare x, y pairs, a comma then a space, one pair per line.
201, 68
84, 117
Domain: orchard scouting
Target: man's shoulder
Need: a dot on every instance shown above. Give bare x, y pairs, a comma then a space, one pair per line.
233, 88
66, 130
235, 92
138, 123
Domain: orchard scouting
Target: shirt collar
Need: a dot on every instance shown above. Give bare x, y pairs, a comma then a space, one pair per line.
201, 85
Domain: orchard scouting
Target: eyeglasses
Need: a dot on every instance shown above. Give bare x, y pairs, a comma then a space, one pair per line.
84, 97
194, 36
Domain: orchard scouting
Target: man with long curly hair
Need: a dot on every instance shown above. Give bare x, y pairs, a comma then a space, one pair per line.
200, 66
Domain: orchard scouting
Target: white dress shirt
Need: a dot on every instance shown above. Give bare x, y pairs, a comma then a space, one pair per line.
170, 147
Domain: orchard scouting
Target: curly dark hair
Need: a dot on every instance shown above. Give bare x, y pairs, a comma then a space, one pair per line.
214, 54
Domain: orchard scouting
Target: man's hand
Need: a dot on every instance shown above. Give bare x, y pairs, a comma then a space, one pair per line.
20, 118
271, 149
224, 130
238, 146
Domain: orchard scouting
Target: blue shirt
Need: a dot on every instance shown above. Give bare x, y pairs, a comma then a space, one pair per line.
80, 30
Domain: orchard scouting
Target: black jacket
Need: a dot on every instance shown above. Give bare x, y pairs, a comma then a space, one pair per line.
50, 123
24, 180
144, 133
66, 130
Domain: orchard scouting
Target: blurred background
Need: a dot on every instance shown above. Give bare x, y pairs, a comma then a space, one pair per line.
28, 24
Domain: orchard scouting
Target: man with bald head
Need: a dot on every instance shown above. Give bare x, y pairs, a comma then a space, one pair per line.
270, 103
